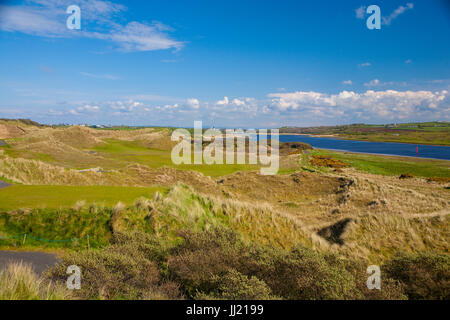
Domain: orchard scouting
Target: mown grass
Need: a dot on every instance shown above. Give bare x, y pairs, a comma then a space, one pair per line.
388, 165
135, 151
31, 197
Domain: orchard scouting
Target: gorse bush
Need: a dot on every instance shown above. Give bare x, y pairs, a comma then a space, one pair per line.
219, 264
297, 274
123, 270
424, 275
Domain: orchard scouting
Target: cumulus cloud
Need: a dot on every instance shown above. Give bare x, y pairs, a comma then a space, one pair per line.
238, 102
47, 18
193, 103
88, 108
386, 105
286, 108
223, 102
347, 82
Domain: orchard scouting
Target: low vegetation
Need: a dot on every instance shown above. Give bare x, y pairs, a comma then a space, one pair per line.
393, 166
19, 282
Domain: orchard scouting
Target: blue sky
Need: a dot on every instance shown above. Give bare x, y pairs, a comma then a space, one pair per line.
228, 63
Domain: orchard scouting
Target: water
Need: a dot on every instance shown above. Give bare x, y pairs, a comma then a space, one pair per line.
386, 148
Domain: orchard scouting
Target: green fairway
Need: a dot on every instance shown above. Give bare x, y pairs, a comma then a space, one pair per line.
389, 165
134, 151
25, 196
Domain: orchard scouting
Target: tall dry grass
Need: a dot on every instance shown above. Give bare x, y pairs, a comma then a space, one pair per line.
19, 282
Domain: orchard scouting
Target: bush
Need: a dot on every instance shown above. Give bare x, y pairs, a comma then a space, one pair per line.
424, 275
219, 254
327, 161
237, 286
123, 270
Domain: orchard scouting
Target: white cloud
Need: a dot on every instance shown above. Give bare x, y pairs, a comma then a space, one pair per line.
99, 76
378, 83
408, 61
193, 103
360, 12
88, 108
223, 102
137, 36
238, 102
288, 108
385, 105
372, 83
47, 18
347, 82
365, 64
400, 10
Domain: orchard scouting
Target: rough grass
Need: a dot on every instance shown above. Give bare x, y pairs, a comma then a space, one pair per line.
19, 282
31, 197
387, 165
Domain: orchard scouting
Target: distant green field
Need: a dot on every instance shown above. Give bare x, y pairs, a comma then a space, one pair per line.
388, 165
26, 196
132, 151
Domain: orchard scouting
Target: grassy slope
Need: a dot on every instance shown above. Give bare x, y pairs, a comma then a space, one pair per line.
387, 165
25, 196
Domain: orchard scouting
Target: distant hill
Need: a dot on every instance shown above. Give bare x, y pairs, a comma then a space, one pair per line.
436, 133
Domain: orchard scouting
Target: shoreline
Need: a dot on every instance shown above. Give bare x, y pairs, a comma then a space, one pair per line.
354, 139
381, 154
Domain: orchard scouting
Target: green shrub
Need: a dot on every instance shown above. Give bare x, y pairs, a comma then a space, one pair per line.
297, 274
236, 286
123, 270
424, 275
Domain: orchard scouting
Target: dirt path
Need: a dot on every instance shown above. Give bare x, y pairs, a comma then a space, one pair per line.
441, 213
38, 260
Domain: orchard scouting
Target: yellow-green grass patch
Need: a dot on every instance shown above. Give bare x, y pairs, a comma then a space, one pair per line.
32, 196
